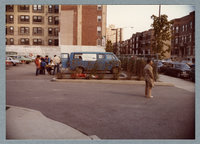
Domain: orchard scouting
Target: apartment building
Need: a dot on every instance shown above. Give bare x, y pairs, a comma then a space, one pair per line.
139, 43
183, 38
35, 25
83, 25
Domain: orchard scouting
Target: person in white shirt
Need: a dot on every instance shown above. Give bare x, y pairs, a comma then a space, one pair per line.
56, 61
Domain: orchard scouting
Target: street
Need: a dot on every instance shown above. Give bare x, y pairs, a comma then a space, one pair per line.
110, 111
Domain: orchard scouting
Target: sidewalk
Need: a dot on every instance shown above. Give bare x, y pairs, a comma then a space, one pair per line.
23, 123
177, 82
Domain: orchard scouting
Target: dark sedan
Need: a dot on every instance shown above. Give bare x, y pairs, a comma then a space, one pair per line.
180, 70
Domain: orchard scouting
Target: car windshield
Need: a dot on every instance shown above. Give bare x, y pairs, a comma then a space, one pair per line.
185, 66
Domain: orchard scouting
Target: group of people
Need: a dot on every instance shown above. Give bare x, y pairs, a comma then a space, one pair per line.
46, 64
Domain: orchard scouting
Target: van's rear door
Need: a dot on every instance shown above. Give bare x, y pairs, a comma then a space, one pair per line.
65, 60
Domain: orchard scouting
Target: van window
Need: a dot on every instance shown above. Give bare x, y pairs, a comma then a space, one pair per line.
64, 55
101, 56
110, 57
89, 57
78, 56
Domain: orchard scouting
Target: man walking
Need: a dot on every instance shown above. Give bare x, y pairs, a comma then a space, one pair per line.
149, 78
56, 61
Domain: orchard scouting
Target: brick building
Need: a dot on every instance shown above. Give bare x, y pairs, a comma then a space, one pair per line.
32, 25
54, 25
83, 25
139, 43
183, 37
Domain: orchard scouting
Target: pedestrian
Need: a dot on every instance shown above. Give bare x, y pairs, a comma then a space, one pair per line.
43, 65
56, 61
149, 78
47, 59
37, 63
50, 67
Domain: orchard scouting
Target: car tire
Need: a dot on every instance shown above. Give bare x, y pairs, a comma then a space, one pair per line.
14, 64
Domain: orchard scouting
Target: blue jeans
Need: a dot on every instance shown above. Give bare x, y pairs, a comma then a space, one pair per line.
56, 67
37, 71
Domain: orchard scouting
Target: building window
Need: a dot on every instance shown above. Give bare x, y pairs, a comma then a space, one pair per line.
11, 41
56, 8
37, 31
176, 41
190, 38
37, 42
136, 45
23, 8
37, 19
50, 31
56, 20
53, 8
99, 7
9, 19
24, 30
99, 42
190, 25
24, 41
185, 39
98, 18
188, 51
99, 30
50, 42
56, 42
56, 31
9, 8
38, 8
183, 28
177, 28
10, 30
50, 20
24, 18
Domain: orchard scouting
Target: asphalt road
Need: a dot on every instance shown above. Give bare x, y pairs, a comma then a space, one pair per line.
110, 111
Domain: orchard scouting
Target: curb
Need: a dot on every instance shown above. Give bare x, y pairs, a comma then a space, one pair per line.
25, 123
110, 81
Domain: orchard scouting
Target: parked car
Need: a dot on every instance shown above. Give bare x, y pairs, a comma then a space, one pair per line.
192, 73
87, 61
180, 70
13, 61
165, 65
8, 63
24, 59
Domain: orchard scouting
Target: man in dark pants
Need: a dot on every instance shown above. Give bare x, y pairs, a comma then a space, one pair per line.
56, 61
37, 63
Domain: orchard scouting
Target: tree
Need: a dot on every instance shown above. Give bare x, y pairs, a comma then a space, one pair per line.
109, 46
162, 34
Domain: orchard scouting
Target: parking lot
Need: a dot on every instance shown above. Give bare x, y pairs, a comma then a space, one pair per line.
110, 111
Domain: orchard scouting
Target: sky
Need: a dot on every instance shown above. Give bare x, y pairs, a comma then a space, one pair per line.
137, 18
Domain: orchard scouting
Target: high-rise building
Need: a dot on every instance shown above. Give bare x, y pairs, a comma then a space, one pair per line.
32, 25
83, 25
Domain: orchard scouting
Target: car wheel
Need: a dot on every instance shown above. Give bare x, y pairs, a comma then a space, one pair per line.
14, 64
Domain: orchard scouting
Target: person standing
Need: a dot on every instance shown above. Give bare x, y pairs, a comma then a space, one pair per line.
56, 61
43, 66
149, 78
37, 63
47, 59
